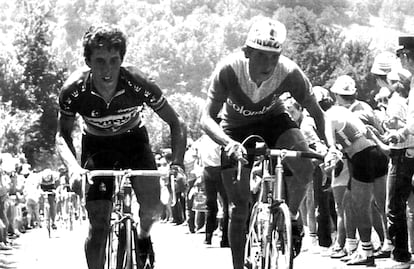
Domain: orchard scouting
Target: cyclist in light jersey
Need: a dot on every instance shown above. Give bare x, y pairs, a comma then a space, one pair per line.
367, 163
246, 87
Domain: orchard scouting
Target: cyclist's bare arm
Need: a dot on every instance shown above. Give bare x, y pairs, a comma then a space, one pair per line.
323, 124
210, 126
178, 132
213, 129
64, 144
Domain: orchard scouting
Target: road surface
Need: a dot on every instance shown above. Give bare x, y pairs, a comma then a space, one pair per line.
175, 248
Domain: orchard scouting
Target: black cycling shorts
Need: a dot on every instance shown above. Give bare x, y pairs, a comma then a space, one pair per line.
369, 164
47, 187
269, 128
130, 150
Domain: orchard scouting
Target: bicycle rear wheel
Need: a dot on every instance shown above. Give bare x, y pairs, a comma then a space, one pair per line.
279, 249
253, 256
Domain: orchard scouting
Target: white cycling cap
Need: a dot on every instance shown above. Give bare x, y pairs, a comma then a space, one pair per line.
267, 35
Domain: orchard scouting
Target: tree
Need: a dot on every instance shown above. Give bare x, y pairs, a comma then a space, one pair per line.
188, 107
41, 80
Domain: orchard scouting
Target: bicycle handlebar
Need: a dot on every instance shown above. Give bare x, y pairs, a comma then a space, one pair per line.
295, 154
283, 153
129, 172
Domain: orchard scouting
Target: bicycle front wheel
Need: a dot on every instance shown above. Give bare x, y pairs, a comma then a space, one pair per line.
253, 258
279, 250
124, 247
112, 247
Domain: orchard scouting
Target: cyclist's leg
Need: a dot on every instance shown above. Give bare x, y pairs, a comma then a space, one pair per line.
148, 192
302, 169
238, 193
52, 209
99, 213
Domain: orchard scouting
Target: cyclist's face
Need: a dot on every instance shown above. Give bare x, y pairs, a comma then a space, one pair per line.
262, 64
105, 65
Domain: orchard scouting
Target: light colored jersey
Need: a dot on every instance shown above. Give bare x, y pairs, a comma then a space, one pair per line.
349, 130
244, 102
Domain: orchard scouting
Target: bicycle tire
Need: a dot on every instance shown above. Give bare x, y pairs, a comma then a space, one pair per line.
128, 244
111, 248
279, 249
122, 245
253, 257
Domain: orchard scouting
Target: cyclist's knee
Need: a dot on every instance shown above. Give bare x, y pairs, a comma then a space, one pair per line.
150, 211
99, 213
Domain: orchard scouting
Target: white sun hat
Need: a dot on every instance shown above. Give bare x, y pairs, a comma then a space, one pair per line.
383, 63
344, 85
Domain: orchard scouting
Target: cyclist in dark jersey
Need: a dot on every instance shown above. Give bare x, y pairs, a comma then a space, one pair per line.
110, 96
246, 88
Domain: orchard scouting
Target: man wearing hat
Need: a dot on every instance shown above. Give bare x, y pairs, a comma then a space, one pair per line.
246, 88
401, 168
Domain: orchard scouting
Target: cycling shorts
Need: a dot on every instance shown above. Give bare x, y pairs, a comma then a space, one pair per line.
130, 150
369, 164
48, 187
269, 129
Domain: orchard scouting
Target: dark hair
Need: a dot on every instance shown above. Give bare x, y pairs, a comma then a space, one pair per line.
409, 53
326, 103
348, 98
103, 36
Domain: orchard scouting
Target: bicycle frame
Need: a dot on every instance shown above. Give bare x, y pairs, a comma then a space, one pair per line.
120, 242
269, 243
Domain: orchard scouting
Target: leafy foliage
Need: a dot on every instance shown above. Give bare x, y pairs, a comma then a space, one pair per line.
178, 43
38, 86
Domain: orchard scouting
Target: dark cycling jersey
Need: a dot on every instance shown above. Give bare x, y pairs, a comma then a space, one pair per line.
122, 113
244, 102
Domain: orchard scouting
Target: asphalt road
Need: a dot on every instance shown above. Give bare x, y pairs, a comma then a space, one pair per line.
175, 249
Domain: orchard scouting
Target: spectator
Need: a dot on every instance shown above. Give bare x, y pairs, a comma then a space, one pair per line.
210, 153
401, 167
345, 91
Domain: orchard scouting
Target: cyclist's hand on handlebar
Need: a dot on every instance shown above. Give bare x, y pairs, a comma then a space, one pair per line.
237, 151
76, 173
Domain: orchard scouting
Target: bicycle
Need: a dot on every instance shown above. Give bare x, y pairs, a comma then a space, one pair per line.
120, 244
269, 243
